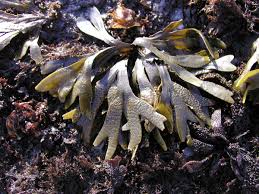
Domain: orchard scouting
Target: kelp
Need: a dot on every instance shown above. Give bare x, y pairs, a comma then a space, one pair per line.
177, 63
16, 4
13, 25
249, 79
122, 99
143, 93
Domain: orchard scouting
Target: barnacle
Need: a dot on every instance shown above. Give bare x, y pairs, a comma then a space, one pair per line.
140, 87
249, 79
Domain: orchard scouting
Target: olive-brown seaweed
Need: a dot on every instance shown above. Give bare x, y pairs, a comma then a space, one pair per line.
249, 79
142, 91
12, 25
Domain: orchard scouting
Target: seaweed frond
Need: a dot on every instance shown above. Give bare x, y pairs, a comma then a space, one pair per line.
13, 25
249, 79
144, 92
122, 99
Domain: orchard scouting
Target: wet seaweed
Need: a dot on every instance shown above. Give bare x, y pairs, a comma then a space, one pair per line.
13, 25
248, 80
139, 82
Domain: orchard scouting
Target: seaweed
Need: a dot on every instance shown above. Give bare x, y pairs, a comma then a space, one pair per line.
248, 80
16, 4
13, 25
139, 81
